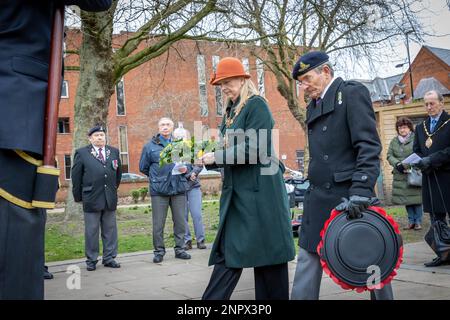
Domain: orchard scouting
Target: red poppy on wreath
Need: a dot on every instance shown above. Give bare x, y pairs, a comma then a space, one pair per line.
363, 253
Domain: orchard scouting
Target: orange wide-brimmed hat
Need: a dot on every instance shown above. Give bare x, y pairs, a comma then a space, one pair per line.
228, 68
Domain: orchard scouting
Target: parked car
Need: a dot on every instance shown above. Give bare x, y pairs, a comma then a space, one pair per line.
300, 186
133, 177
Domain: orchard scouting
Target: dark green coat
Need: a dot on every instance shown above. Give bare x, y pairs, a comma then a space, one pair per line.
401, 192
254, 227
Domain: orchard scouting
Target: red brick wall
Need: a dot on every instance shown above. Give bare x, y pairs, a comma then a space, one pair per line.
171, 83
426, 65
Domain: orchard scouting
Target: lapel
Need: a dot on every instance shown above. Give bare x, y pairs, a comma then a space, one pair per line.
94, 153
444, 117
327, 104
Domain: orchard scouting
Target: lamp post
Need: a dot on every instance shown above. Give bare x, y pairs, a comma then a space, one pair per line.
409, 65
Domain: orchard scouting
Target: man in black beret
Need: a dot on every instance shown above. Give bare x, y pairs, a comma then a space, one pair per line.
344, 150
96, 175
25, 28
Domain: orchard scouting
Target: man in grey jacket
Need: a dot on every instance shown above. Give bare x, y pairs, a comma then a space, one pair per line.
166, 189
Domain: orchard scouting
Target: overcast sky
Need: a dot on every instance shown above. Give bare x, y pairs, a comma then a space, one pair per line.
436, 20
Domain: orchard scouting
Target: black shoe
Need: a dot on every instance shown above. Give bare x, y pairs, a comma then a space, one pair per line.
435, 263
201, 245
47, 275
112, 264
183, 255
188, 245
157, 258
91, 267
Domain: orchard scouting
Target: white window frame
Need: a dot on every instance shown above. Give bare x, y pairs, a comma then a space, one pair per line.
121, 152
203, 95
117, 99
217, 90
65, 85
65, 168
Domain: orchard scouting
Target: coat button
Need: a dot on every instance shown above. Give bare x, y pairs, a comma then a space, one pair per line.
325, 157
324, 128
327, 185
105, 186
364, 178
310, 131
106, 176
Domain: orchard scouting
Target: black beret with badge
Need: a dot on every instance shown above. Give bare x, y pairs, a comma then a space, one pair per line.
308, 62
96, 128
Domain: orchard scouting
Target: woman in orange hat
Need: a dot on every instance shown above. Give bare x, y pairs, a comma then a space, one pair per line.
254, 228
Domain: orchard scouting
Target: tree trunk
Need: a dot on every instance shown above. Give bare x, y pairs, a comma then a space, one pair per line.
95, 85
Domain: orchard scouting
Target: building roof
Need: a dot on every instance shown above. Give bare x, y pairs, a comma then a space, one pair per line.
427, 84
380, 88
441, 53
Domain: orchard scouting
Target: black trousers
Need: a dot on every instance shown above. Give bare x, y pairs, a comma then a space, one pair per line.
21, 252
271, 282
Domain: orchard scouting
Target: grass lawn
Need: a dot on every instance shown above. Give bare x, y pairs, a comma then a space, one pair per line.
66, 240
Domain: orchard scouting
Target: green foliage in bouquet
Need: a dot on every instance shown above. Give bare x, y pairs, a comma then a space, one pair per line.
184, 151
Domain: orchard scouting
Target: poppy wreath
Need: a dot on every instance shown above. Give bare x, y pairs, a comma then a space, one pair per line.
341, 282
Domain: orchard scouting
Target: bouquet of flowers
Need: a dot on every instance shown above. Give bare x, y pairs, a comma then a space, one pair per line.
186, 151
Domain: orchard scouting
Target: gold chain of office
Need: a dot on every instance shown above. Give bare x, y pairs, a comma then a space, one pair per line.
429, 141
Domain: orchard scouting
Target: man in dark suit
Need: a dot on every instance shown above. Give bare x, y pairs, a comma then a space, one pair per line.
96, 175
25, 31
344, 161
432, 144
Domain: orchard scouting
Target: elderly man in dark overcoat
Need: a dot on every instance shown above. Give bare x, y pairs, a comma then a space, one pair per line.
432, 144
344, 162
96, 175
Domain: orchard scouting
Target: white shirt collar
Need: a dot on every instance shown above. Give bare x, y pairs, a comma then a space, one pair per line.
326, 88
103, 150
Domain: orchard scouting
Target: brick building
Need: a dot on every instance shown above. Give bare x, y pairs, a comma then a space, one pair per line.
176, 85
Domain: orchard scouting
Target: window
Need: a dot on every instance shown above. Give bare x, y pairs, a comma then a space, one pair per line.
218, 91
300, 154
246, 65
65, 89
63, 125
123, 148
67, 166
202, 85
260, 75
120, 98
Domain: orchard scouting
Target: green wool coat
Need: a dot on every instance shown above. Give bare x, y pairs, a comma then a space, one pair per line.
402, 193
254, 227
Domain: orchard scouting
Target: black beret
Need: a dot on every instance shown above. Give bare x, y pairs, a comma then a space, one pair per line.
308, 62
96, 129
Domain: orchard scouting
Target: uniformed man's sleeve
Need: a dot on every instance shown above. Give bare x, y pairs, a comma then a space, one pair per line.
77, 176
90, 5
365, 140
119, 170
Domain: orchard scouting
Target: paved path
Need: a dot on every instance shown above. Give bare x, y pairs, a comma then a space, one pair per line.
140, 278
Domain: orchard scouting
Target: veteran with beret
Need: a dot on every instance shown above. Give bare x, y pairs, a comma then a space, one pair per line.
96, 175
344, 162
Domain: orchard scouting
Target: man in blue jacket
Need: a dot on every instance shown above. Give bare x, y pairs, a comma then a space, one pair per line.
166, 189
25, 32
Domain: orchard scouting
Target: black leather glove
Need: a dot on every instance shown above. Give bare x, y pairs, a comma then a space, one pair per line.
424, 164
355, 205
399, 166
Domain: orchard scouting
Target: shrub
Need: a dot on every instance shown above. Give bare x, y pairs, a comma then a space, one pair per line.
135, 195
143, 192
